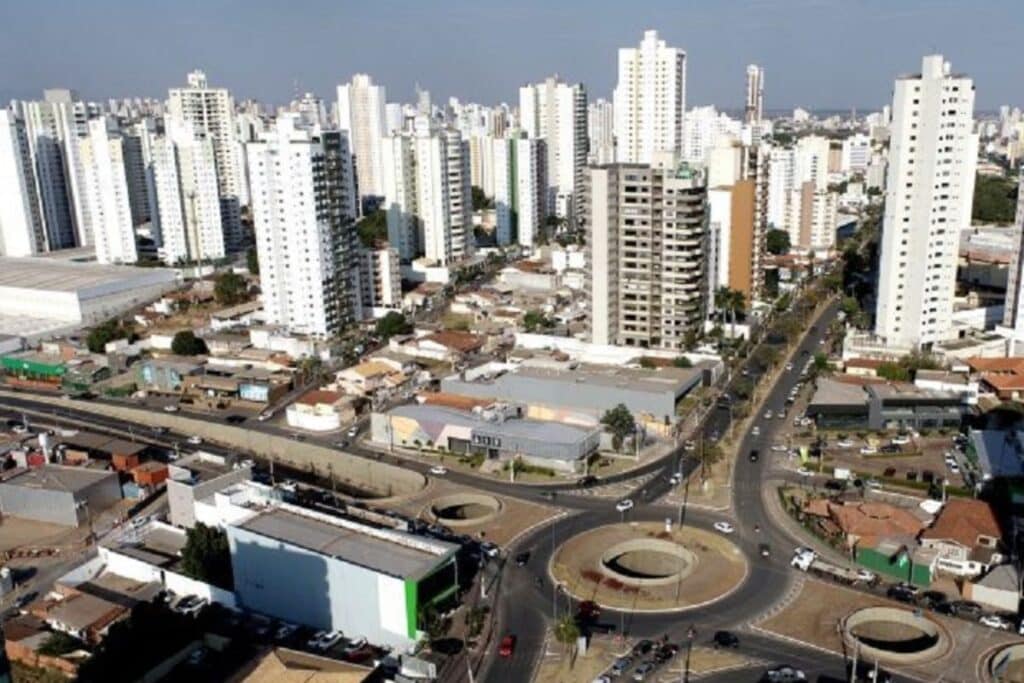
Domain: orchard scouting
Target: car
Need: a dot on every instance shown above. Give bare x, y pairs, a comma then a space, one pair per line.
624, 505
844, 443
314, 641
781, 414
900, 594
873, 484
967, 609
725, 639
755, 431
522, 558
666, 652
328, 640
954, 468
640, 673
724, 527
835, 485
802, 550
900, 439
890, 448
689, 445
438, 471
235, 419
25, 600
341, 443
866, 576
804, 472
353, 646
190, 605
768, 414
995, 621
265, 415
586, 481
490, 549
285, 631
676, 478
169, 408
602, 679
352, 432
620, 665
507, 646
198, 656
755, 455
784, 674
642, 647
780, 448
764, 550
789, 367
195, 440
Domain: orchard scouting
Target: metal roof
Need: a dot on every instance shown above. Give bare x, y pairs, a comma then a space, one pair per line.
58, 478
70, 277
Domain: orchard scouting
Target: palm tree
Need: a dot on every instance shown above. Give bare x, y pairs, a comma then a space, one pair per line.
730, 301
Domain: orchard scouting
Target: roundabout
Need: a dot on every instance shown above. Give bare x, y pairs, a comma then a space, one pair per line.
644, 567
895, 635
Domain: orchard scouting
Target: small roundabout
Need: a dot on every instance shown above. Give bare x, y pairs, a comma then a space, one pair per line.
647, 567
895, 635
1006, 664
464, 509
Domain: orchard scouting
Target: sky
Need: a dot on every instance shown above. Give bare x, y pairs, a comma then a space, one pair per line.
821, 54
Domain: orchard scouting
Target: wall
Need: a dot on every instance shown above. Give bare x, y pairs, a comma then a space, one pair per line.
129, 567
56, 507
303, 419
1006, 601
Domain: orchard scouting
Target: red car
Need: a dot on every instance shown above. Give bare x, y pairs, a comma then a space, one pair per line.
507, 646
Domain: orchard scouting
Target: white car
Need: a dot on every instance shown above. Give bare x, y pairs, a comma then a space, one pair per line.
195, 440
170, 408
756, 431
438, 471
804, 472
265, 415
676, 478
768, 414
19, 429
868, 450
900, 439
624, 505
780, 448
190, 605
844, 443
724, 527
993, 621
866, 576
954, 468
353, 431
785, 674
873, 484
329, 640
285, 631
789, 366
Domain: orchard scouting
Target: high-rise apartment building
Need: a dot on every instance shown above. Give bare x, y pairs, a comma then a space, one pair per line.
187, 219
601, 132
649, 100
1013, 313
426, 182
304, 213
520, 189
380, 279
799, 199
929, 191
22, 232
646, 231
211, 113
361, 114
105, 192
704, 128
753, 110
856, 154
135, 171
557, 113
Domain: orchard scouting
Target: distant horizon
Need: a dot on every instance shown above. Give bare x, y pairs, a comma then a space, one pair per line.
817, 54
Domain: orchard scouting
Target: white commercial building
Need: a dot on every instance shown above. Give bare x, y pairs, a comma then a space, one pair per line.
753, 110
932, 157
856, 154
649, 100
304, 212
21, 223
361, 114
519, 189
187, 216
211, 111
1013, 316
645, 247
557, 112
105, 193
601, 132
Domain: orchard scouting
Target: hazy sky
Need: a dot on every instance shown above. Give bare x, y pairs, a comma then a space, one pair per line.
816, 53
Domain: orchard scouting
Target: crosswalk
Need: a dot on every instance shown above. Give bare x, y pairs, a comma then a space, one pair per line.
616, 490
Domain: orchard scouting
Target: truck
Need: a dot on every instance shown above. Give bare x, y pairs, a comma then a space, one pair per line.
808, 561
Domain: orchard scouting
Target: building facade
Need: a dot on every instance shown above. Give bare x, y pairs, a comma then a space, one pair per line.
929, 191
601, 132
520, 189
753, 110
105, 192
361, 114
22, 231
649, 100
1013, 314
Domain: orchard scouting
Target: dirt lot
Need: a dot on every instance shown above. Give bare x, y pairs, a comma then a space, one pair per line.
813, 616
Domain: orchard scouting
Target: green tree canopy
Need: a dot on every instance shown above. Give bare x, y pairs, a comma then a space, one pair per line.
252, 261
535, 320
777, 242
109, 331
186, 343
373, 228
58, 644
481, 200
206, 556
391, 324
682, 362
567, 630
618, 422
230, 289
995, 199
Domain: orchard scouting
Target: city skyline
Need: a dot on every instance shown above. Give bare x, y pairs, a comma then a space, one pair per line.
278, 53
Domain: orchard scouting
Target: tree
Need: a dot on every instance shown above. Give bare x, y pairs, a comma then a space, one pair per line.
682, 362
206, 556
391, 324
230, 289
535, 320
850, 306
820, 365
186, 343
777, 242
730, 301
373, 228
58, 644
481, 200
893, 372
619, 423
104, 333
252, 261
566, 630
995, 199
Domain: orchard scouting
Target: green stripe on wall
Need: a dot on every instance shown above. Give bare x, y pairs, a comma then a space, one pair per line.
411, 608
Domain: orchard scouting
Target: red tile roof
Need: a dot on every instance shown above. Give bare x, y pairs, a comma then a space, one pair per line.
320, 396
963, 520
460, 341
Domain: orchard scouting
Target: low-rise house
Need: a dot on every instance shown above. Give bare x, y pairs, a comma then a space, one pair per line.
863, 367
233, 316
372, 377
165, 375
81, 615
225, 343
321, 411
998, 589
952, 382
448, 346
1003, 377
965, 536
276, 339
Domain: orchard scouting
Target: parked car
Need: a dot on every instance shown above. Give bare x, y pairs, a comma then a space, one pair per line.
755, 455
901, 439
353, 646
624, 505
588, 480
490, 549
768, 414
640, 673
724, 527
285, 631
868, 450
170, 408
844, 443
804, 472
235, 419
620, 665
352, 432
995, 621
195, 440
190, 605
725, 639
785, 674
899, 593
780, 448
265, 415
328, 640
438, 471
764, 550
967, 609
507, 646
666, 652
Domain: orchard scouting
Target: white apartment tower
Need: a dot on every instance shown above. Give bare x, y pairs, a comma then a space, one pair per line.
361, 114
380, 279
187, 219
649, 100
557, 113
304, 213
753, 110
929, 190
211, 113
601, 132
1013, 315
520, 189
105, 193
21, 222
646, 235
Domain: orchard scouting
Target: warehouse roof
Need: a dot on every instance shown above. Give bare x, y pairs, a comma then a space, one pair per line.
656, 381
537, 430
66, 276
58, 478
388, 552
